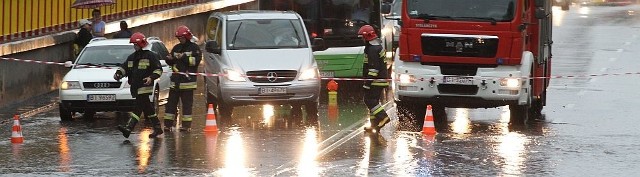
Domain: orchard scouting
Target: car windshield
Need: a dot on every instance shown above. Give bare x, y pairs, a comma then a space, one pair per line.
466, 10
112, 55
265, 34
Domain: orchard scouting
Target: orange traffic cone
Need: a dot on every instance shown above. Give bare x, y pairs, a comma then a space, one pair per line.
428, 128
16, 134
211, 125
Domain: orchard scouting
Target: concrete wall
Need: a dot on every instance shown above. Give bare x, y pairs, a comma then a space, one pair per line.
20, 81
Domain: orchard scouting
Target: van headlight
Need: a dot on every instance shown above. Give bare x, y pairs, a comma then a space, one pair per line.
510, 82
309, 74
67, 85
234, 76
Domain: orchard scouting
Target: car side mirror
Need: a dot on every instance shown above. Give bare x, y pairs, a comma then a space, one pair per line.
541, 13
212, 47
318, 45
68, 64
385, 9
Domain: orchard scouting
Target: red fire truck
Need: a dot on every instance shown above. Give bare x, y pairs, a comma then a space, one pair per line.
472, 54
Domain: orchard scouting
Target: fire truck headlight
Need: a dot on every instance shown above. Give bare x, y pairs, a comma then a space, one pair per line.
510, 82
406, 78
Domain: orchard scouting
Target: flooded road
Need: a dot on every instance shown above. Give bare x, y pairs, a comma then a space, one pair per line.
590, 128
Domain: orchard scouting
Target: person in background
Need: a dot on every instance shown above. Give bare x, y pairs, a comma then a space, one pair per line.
124, 31
98, 24
84, 35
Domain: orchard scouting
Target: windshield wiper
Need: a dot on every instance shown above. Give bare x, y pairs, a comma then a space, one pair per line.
233, 41
112, 64
427, 17
491, 19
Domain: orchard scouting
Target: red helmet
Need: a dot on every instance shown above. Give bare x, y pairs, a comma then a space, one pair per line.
183, 31
367, 32
139, 39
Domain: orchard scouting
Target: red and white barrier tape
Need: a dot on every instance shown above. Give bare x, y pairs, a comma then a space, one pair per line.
332, 78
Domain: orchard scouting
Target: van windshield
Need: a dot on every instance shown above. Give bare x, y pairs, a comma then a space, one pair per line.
265, 34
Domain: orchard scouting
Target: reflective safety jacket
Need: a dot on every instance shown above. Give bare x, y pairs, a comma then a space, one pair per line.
188, 62
376, 66
139, 65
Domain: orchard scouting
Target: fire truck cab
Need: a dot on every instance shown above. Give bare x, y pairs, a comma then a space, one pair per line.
472, 54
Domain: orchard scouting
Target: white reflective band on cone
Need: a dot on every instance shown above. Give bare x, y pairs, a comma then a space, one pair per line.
211, 122
15, 134
16, 123
429, 124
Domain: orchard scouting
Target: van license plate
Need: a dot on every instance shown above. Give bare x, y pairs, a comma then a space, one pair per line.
101, 98
272, 90
458, 80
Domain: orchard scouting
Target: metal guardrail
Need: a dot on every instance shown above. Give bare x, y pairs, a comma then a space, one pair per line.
23, 19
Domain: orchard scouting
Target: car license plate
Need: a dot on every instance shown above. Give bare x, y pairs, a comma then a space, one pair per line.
327, 74
101, 98
458, 80
272, 90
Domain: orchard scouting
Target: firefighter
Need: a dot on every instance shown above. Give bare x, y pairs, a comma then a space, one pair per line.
377, 78
142, 68
184, 58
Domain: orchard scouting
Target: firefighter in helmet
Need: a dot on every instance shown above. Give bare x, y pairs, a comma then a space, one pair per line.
183, 59
142, 67
377, 78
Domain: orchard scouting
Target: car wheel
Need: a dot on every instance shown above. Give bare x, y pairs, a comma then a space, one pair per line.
89, 115
65, 114
518, 114
296, 113
311, 108
225, 112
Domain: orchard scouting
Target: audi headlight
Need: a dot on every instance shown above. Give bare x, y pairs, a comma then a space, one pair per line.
234, 76
67, 85
309, 74
510, 82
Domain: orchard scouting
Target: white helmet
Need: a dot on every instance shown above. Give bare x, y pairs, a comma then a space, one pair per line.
83, 22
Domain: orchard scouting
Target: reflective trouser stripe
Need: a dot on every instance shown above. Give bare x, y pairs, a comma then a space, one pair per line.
373, 74
133, 115
384, 121
380, 83
366, 87
169, 116
187, 118
377, 109
188, 85
143, 90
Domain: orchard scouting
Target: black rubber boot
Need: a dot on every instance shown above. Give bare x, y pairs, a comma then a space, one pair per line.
373, 127
169, 125
157, 128
126, 129
186, 126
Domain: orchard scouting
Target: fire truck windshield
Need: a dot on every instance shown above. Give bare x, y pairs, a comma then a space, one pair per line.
463, 10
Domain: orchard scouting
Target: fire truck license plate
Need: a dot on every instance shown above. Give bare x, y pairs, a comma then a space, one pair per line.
273, 90
101, 98
458, 80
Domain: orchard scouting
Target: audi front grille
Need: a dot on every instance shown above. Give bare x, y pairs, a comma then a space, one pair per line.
101, 85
